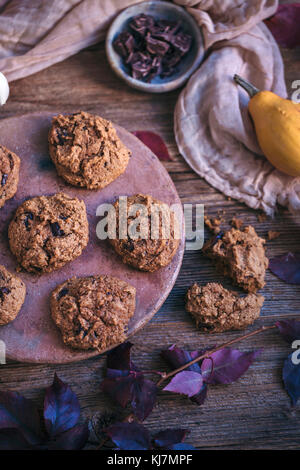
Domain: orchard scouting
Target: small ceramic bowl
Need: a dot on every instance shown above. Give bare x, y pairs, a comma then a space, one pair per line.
159, 10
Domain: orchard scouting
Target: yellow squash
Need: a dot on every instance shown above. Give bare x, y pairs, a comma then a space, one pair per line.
277, 126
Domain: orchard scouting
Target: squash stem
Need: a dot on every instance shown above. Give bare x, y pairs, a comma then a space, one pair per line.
251, 90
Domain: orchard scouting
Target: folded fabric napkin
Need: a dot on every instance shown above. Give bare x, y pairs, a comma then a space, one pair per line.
212, 126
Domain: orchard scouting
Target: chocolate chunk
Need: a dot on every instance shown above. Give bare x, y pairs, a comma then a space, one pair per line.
141, 64
155, 46
4, 290
28, 216
62, 293
129, 246
56, 230
141, 24
61, 135
4, 179
124, 44
182, 42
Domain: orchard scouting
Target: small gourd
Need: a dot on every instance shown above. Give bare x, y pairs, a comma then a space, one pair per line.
277, 126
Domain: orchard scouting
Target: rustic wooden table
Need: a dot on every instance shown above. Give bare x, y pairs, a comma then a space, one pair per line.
254, 412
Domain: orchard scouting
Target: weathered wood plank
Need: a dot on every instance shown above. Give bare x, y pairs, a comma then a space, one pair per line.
253, 413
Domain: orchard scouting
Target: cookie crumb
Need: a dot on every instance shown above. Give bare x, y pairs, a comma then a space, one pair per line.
216, 309
237, 223
240, 254
272, 234
213, 224
261, 217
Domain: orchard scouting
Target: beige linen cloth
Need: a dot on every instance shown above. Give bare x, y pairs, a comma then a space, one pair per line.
212, 127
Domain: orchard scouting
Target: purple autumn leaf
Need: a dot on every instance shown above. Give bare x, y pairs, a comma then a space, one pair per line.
186, 383
143, 397
119, 388
17, 412
289, 329
61, 408
291, 376
169, 437
13, 439
182, 446
177, 357
155, 143
129, 436
119, 357
73, 439
286, 267
200, 397
134, 388
227, 365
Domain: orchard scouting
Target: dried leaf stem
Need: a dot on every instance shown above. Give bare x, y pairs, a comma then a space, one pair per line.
208, 353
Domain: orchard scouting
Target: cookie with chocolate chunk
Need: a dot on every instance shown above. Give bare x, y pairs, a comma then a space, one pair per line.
86, 150
9, 174
216, 309
12, 296
93, 312
240, 254
48, 232
157, 237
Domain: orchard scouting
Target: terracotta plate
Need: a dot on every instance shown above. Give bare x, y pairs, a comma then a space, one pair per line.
33, 337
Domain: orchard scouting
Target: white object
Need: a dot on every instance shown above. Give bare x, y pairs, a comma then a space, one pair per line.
4, 89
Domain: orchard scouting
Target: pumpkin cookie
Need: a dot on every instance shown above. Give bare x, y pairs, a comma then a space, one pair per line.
12, 296
48, 232
215, 309
86, 150
149, 248
9, 174
93, 312
240, 254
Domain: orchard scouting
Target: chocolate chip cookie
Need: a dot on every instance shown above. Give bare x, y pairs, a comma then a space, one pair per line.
86, 150
156, 239
240, 254
48, 232
93, 312
12, 296
216, 309
9, 174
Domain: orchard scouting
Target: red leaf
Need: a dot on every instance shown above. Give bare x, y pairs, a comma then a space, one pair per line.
155, 143
284, 25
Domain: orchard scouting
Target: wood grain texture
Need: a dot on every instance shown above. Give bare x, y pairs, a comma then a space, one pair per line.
253, 413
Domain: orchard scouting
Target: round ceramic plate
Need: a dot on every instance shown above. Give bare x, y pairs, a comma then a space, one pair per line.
33, 337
